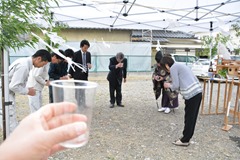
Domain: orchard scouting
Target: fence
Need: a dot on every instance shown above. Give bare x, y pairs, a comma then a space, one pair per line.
136, 63
222, 98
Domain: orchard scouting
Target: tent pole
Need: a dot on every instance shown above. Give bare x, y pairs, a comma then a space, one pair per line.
210, 58
7, 103
3, 95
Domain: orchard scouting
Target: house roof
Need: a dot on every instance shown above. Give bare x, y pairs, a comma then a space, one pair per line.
140, 39
165, 34
154, 35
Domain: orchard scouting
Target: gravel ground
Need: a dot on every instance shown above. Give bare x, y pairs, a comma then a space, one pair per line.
139, 131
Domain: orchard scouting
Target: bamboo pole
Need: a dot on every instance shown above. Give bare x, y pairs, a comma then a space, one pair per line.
226, 126
225, 96
218, 95
210, 100
203, 98
236, 103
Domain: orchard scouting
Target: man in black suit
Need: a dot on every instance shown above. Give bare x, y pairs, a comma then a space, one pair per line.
118, 71
82, 57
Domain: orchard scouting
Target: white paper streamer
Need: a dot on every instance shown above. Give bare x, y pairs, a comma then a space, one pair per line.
54, 37
57, 39
158, 47
69, 60
105, 44
222, 50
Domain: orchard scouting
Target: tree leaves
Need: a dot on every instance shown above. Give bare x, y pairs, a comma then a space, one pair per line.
17, 18
236, 28
211, 42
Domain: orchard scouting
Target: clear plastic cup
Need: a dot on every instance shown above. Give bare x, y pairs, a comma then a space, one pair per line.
82, 93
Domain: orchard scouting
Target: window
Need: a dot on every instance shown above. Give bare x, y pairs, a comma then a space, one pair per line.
184, 58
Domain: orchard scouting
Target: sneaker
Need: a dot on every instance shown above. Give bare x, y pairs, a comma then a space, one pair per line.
180, 143
167, 110
161, 109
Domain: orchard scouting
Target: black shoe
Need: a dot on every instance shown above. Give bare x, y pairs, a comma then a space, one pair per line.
120, 105
111, 105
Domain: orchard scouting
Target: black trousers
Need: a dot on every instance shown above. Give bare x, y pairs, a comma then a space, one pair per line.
58, 93
192, 106
80, 96
50, 94
117, 86
82, 76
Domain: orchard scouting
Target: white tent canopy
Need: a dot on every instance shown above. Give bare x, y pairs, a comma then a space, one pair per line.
183, 15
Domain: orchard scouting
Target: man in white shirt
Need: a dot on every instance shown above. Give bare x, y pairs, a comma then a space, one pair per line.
18, 76
38, 78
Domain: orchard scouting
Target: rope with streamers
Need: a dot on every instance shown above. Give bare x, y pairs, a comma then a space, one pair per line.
69, 60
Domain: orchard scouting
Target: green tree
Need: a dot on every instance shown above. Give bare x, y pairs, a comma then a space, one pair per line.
17, 19
209, 41
236, 28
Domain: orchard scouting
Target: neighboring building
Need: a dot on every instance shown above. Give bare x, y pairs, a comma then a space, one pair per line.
96, 34
170, 41
138, 45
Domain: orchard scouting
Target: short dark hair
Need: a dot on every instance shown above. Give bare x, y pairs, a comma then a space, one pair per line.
119, 55
84, 42
167, 60
44, 54
56, 55
61, 51
158, 56
69, 52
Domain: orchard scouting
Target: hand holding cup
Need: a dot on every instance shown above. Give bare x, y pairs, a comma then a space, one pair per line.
82, 94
